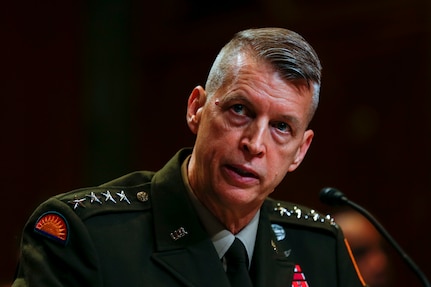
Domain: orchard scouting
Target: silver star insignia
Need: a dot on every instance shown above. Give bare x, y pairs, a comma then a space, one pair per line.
77, 202
123, 196
108, 196
93, 198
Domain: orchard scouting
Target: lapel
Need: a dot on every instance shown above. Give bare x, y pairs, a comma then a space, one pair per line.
269, 266
183, 247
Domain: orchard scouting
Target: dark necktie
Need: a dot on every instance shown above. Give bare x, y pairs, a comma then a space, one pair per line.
237, 265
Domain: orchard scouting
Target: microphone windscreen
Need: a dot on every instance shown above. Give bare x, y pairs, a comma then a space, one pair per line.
332, 196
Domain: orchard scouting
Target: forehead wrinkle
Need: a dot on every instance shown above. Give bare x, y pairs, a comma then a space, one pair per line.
266, 79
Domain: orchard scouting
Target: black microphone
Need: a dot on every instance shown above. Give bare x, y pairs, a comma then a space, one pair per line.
333, 196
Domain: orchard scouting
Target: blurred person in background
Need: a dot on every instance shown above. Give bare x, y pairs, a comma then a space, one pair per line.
368, 247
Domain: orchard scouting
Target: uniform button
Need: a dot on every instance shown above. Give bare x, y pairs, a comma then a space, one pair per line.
142, 196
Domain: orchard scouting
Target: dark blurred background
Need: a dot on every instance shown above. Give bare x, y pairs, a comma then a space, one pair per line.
94, 89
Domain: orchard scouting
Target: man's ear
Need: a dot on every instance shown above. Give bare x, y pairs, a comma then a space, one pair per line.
195, 103
302, 150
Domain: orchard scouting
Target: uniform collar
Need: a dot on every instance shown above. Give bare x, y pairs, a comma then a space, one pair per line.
221, 237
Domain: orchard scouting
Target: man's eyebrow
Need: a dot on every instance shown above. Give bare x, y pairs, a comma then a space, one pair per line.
236, 97
291, 119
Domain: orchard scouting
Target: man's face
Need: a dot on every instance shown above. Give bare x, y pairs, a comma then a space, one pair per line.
249, 134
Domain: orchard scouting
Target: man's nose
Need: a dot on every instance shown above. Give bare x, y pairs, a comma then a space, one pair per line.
253, 140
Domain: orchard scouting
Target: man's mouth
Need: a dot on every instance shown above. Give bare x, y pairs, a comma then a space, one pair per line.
243, 172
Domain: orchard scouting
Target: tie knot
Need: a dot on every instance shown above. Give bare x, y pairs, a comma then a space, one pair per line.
237, 254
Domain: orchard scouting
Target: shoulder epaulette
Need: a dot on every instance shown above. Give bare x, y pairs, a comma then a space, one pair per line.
53, 219
300, 215
87, 202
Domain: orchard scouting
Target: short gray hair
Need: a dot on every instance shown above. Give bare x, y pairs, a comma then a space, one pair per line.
286, 51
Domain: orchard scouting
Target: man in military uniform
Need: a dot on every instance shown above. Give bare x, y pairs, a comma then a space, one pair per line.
205, 218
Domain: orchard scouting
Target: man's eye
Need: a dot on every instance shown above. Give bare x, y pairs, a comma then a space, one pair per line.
281, 126
238, 109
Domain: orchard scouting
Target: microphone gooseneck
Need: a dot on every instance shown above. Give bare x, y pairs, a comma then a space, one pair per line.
333, 196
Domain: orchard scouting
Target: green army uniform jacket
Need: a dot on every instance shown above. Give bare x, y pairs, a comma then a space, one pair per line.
142, 230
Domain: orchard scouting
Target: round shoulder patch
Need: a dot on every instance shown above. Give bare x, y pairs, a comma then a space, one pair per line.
54, 226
